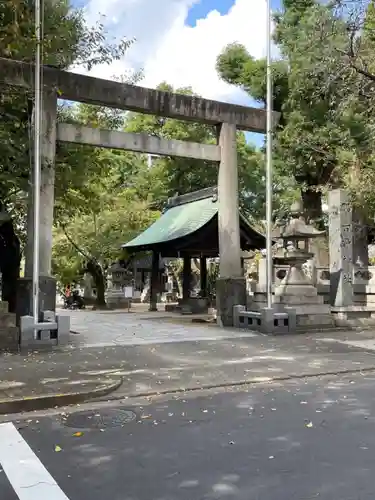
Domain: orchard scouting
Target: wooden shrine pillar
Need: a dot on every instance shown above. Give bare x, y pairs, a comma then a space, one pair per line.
154, 281
186, 278
203, 270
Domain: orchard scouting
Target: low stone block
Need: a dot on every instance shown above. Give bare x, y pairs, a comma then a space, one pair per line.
237, 310
273, 322
46, 337
266, 320
63, 329
48, 316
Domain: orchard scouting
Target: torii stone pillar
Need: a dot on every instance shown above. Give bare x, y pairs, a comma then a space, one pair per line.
231, 285
47, 284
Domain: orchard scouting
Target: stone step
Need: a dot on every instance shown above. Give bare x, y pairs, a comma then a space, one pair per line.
9, 338
7, 319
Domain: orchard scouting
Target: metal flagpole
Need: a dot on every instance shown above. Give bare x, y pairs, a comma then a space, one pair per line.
269, 162
37, 160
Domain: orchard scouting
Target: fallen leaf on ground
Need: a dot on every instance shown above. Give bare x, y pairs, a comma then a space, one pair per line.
58, 448
78, 434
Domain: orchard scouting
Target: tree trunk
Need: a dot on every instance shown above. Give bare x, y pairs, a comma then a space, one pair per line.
10, 259
312, 205
96, 271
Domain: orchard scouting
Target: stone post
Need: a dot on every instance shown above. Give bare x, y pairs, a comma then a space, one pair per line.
340, 248
154, 281
203, 273
186, 278
231, 285
47, 284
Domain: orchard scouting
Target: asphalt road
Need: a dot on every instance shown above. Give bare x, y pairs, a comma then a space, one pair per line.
298, 440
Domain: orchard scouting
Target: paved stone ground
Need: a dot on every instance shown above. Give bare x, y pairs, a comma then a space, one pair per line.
296, 441
159, 353
108, 328
156, 354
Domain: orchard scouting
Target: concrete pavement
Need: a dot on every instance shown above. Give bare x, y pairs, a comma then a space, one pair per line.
140, 327
296, 441
163, 358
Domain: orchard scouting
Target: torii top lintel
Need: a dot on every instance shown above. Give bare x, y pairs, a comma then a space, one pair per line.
90, 90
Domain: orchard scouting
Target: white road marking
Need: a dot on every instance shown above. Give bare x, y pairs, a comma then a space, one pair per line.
26, 473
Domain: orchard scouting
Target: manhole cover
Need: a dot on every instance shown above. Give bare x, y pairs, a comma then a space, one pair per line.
100, 419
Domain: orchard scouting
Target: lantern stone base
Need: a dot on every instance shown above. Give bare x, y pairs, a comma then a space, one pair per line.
309, 307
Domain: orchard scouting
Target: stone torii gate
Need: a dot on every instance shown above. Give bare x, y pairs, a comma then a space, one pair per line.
226, 117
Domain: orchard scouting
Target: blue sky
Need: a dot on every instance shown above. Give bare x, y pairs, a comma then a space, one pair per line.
202, 8
199, 11
178, 44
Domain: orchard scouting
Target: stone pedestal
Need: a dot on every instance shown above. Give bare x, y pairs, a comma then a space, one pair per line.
309, 307
230, 292
47, 296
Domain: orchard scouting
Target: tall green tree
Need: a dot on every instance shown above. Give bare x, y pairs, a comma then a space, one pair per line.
331, 102
301, 139
66, 40
100, 201
171, 175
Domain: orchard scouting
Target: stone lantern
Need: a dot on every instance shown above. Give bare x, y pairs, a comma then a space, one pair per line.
117, 279
294, 253
296, 289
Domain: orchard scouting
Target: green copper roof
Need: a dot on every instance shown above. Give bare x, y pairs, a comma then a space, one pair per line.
177, 222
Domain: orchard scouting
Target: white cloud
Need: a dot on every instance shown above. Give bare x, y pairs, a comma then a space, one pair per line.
168, 50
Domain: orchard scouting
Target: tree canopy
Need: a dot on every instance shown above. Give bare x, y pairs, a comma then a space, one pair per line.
322, 87
67, 40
